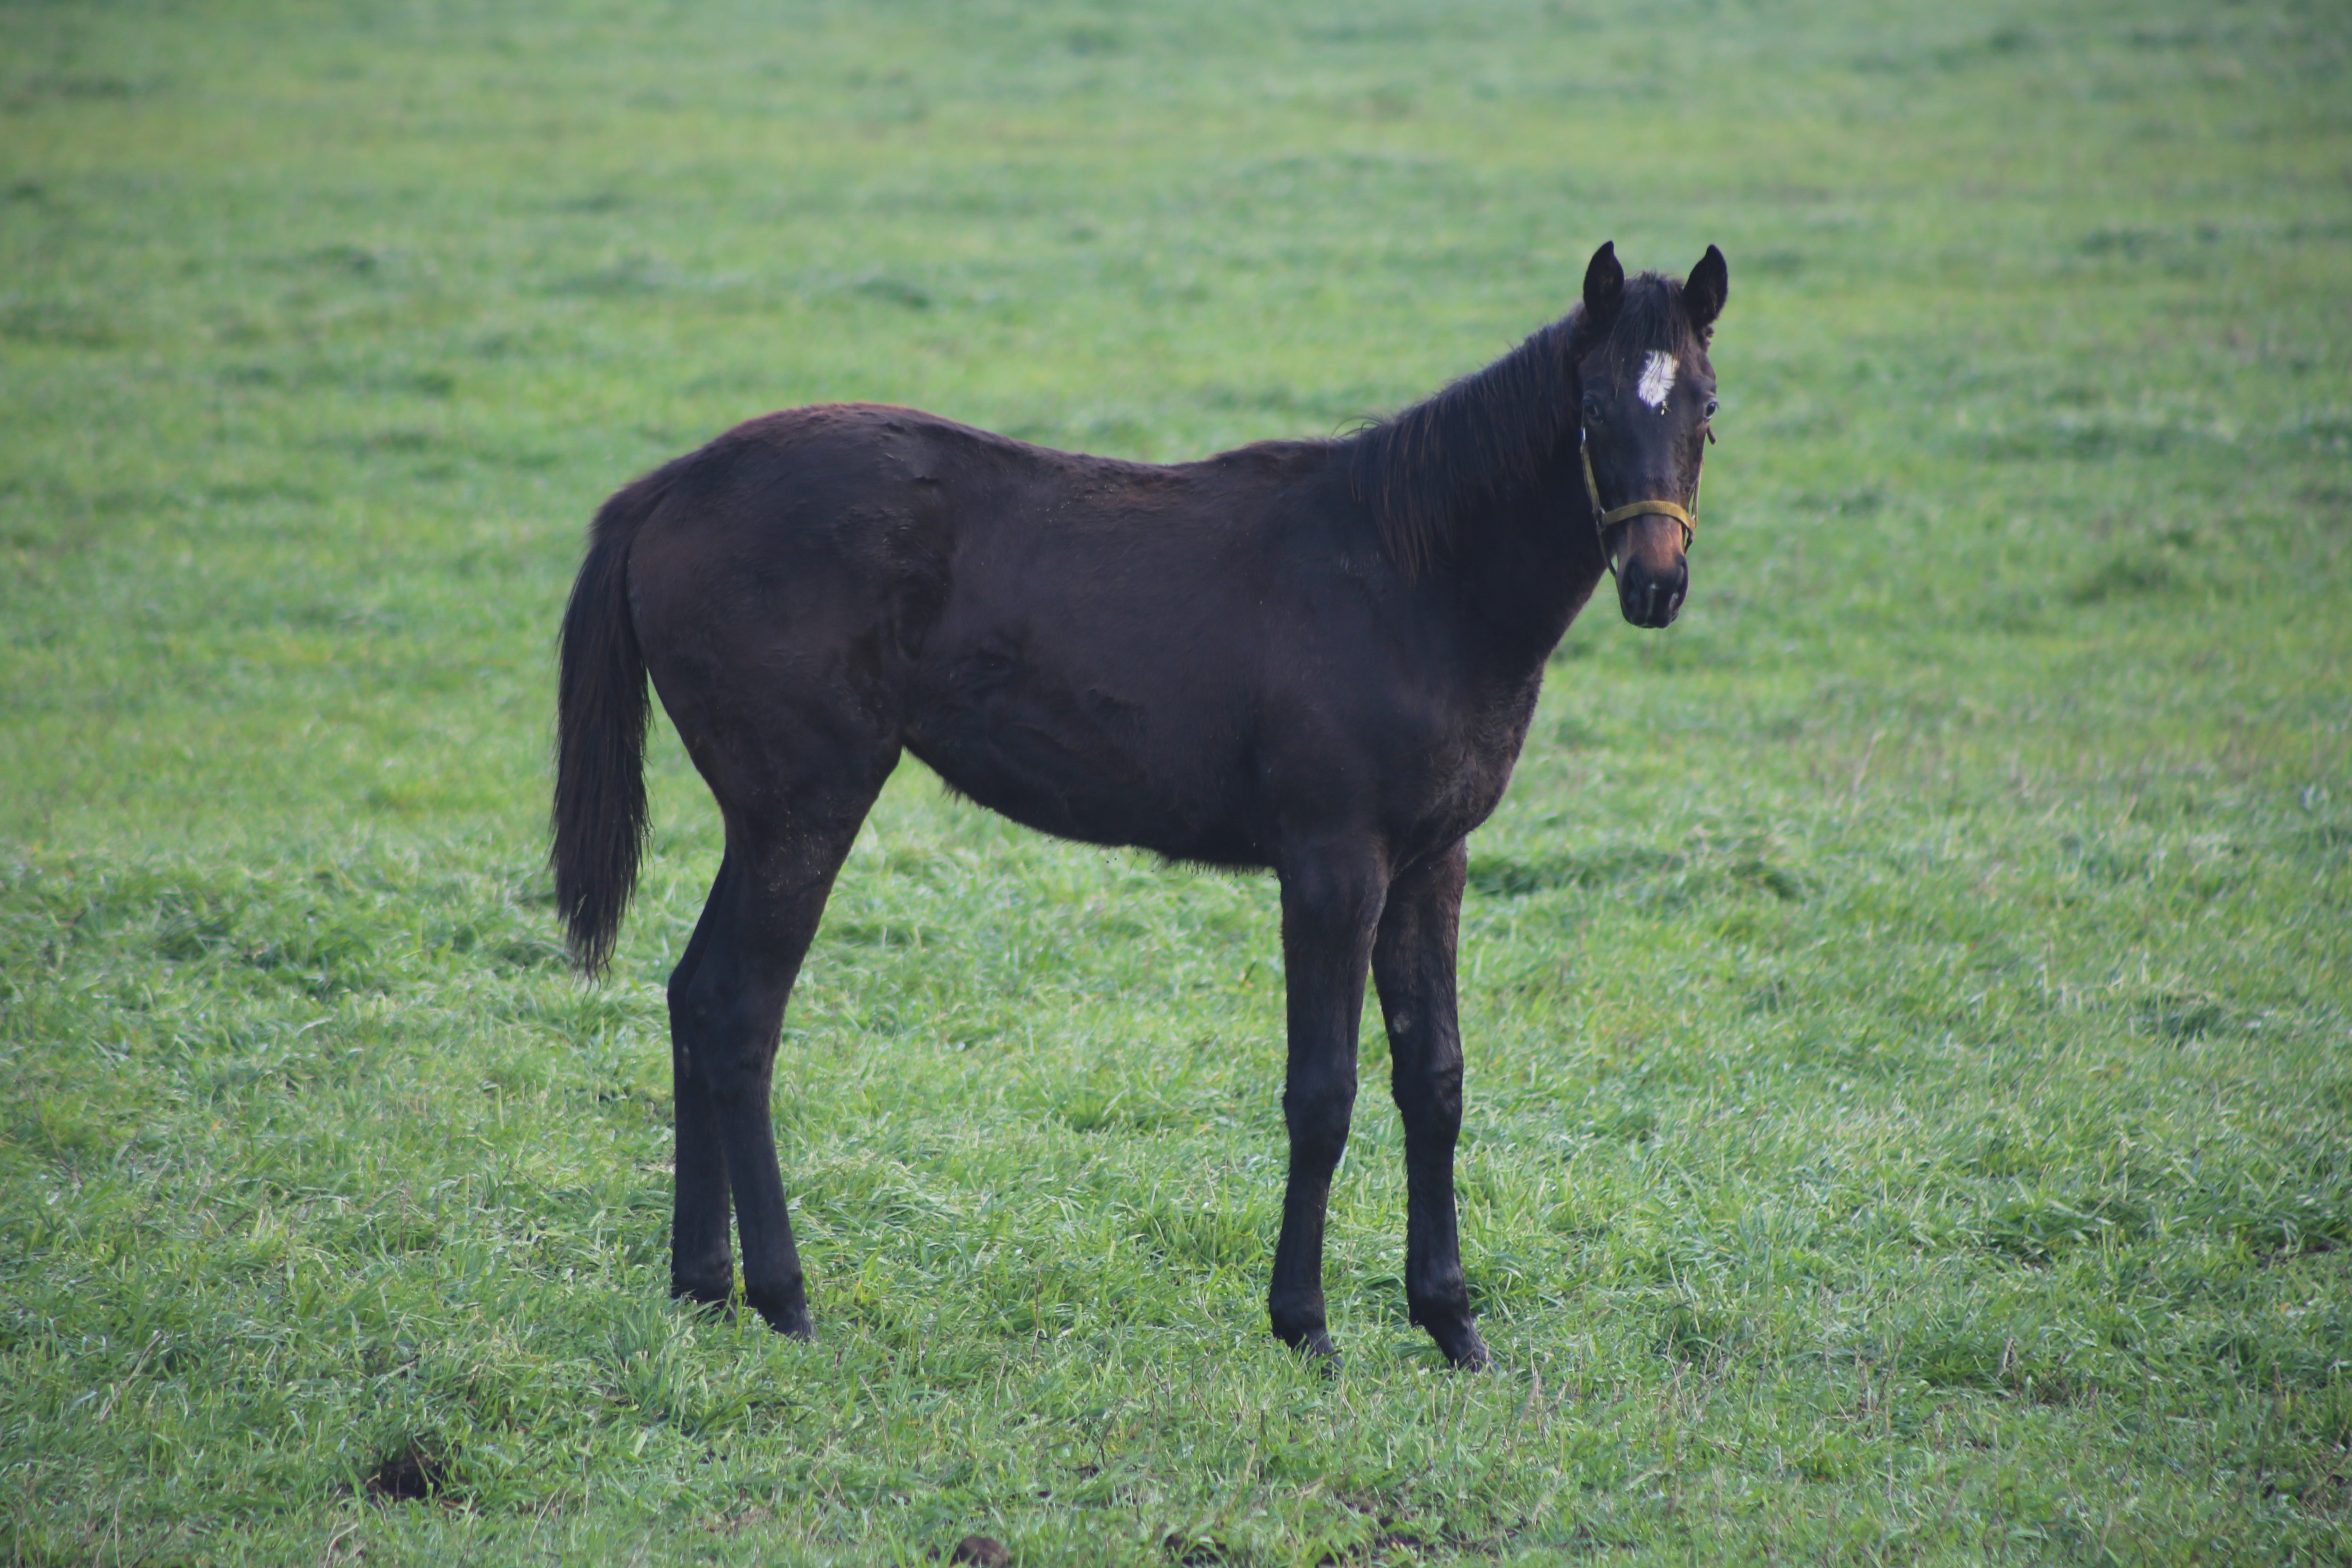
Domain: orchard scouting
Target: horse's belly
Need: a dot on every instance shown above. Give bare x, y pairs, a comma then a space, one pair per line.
1079, 762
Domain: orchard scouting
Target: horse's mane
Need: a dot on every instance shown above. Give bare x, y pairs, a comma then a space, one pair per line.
1493, 433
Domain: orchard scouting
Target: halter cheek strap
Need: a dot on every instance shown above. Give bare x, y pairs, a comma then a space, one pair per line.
1603, 520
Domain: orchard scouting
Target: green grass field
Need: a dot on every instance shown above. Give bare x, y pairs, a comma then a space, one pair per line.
1909, 1003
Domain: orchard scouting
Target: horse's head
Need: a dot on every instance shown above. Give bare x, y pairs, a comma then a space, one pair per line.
1648, 394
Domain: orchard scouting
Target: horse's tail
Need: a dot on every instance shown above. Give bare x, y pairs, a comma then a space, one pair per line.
599, 821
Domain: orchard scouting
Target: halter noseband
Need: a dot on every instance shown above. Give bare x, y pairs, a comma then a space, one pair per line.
1602, 522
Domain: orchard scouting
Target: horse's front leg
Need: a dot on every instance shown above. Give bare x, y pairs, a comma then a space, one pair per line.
1412, 963
1330, 905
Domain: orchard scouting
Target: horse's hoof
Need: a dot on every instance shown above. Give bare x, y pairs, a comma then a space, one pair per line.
719, 1293
1463, 1347
1315, 1347
793, 1323
789, 1316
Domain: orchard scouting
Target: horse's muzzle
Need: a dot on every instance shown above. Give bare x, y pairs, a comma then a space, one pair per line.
1653, 573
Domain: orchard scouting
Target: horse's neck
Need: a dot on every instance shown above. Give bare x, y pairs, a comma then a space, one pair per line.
1525, 564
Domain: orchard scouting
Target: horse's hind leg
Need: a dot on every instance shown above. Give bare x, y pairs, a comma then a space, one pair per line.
701, 1262
727, 1008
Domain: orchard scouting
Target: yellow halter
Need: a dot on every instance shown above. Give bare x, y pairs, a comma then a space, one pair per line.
1602, 522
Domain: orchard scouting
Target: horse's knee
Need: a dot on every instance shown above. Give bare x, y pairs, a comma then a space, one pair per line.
1430, 1098
1318, 1114
698, 1003
735, 1075
721, 1044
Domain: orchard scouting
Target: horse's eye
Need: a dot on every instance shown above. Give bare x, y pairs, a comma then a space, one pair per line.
1710, 408
1592, 410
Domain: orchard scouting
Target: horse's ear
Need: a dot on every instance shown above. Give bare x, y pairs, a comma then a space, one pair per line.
1704, 291
1604, 287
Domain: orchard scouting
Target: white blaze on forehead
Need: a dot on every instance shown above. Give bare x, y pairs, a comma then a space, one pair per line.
1657, 379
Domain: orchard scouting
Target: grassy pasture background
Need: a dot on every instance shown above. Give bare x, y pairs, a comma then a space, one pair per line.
1910, 1104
